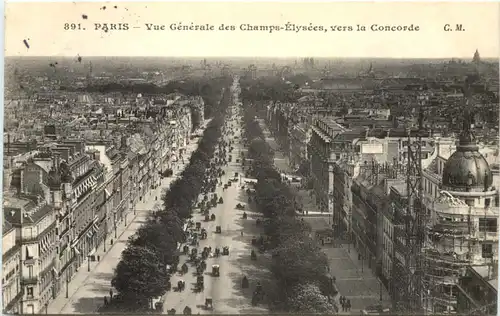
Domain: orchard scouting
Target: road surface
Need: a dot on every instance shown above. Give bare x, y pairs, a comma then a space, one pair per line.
226, 292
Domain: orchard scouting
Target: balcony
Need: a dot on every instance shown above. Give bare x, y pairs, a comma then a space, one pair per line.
30, 280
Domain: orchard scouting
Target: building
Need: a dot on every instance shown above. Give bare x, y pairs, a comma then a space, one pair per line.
478, 291
34, 220
461, 217
11, 278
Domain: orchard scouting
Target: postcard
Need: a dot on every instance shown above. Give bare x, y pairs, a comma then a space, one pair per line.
251, 158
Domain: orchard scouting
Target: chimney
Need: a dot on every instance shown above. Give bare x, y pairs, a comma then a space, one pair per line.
56, 160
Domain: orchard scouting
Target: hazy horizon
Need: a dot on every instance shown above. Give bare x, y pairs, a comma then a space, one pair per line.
259, 57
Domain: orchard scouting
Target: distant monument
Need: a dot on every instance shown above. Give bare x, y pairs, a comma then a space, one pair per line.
476, 59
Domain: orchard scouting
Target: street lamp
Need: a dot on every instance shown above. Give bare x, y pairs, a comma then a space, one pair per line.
114, 219
67, 285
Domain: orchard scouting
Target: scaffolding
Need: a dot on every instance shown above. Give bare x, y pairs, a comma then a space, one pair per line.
412, 225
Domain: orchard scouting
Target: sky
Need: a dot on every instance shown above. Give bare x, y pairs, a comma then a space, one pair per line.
37, 29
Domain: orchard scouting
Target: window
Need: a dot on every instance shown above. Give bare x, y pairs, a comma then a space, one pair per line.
488, 225
28, 254
29, 291
487, 250
487, 202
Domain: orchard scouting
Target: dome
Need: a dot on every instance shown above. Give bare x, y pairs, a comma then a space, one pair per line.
467, 170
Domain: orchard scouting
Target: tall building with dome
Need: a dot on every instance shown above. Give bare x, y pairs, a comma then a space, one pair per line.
462, 226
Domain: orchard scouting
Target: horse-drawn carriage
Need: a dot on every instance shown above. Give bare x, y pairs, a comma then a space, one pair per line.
203, 234
181, 285
171, 311
240, 206
207, 218
218, 229
221, 200
258, 294
200, 284
209, 303
184, 268
225, 251
194, 252
215, 270
244, 282
212, 217
217, 252
198, 225
187, 311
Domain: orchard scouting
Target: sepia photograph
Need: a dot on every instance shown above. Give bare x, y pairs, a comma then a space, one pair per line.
251, 158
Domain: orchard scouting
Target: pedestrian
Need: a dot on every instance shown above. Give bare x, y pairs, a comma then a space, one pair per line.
343, 307
241, 233
110, 294
348, 305
105, 300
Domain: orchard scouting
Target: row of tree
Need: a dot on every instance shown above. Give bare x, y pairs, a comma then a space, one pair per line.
143, 272
298, 264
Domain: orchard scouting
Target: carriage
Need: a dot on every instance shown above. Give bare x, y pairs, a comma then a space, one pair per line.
215, 270
218, 229
200, 283
207, 218
181, 285
209, 303
171, 311
244, 282
184, 268
221, 200
212, 217
198, 225
225, 251
187, 310
203, 234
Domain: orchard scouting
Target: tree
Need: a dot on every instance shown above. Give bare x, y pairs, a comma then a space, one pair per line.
307, 298
299, 260
140, 275
173, 224
156, 237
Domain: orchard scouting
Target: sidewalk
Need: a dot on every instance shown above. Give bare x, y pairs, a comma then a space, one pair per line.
86, 291
354, 279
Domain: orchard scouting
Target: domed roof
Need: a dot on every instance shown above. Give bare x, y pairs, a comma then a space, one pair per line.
467, 169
